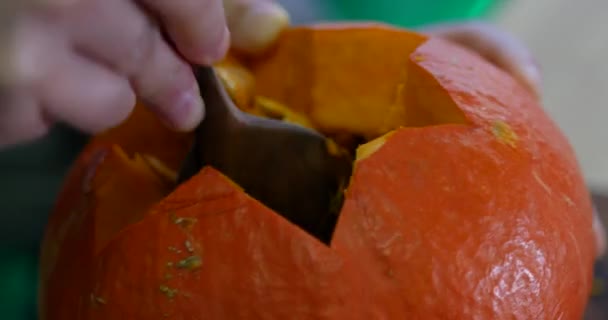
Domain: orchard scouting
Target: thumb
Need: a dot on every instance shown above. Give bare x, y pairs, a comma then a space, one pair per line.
254, 24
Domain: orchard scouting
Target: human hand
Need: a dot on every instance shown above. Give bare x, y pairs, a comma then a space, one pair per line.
84, 62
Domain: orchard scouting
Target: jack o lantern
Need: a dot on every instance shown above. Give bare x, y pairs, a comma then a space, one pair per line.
466, 201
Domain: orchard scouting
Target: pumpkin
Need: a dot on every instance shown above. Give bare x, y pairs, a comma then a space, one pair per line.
466, 200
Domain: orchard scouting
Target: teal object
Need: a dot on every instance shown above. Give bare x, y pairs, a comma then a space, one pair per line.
410, 14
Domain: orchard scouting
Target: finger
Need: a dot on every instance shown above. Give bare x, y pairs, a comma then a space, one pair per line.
28, 44
85, 94
498, 47
198, 27
30, 47
255, 24
123, 37
600, 234
21, 119
11, 7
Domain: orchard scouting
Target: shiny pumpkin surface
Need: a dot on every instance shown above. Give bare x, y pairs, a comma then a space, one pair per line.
466, 201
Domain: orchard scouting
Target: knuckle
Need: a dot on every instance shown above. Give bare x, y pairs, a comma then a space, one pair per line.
27, 47
140, 48
21, 120
114, 110
158, 89
15, 58
205, 5
197, 15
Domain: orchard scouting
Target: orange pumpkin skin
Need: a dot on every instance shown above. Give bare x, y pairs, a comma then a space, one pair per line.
474, 209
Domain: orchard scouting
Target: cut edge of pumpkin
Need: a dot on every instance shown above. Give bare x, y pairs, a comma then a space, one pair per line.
119, 174
423, 109
422, 98
418, 99
114, 180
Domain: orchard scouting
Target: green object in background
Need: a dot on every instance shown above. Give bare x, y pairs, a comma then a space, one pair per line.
18, 284
412, 13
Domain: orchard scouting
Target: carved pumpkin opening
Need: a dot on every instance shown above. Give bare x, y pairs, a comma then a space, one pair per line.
328, 81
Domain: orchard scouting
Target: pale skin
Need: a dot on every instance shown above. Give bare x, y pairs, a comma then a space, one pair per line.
84, 62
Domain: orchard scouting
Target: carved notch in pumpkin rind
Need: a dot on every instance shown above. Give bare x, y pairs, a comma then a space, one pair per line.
112, 187
326, 80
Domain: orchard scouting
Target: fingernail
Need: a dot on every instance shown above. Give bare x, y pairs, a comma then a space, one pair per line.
187, 112
217, 52
259, 26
